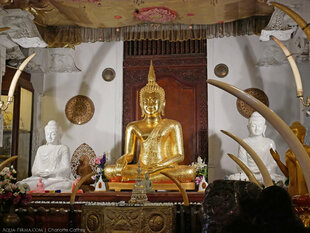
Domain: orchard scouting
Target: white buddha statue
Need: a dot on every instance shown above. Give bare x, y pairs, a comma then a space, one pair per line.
52, 163
261, 145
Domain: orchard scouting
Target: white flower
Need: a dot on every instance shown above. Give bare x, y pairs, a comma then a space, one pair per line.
200, 164
5, 171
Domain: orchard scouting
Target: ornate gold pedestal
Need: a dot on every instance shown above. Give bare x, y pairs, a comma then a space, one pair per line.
118, 186
129, 219
302, 208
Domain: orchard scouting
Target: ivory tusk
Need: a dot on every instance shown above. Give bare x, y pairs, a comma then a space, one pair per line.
4, 29
7, 162
296, 17
78, 185
17, 74
293, 66
261, 166
246, 170
276, 121
182, 190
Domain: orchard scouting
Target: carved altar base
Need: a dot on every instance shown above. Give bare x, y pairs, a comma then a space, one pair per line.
130, 219
118, 186
51, 211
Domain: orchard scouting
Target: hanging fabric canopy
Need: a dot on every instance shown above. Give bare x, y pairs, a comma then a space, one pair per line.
66, 23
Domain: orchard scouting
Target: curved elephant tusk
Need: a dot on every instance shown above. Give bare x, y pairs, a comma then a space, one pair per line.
182, 190
296, 17
4, 29
293, 66
246, 170
7, 162
78, 185
276, 121
17, 74
261, 166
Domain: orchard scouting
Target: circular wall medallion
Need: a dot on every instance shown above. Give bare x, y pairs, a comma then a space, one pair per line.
221, 70
108, 74
79, 109
246, 110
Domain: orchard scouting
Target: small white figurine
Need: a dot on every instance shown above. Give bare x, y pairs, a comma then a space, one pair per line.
52, 163
100, 185
202, 185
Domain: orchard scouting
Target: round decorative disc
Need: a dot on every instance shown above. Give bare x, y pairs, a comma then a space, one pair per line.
108, 74
246, 110
79, 109
221, 70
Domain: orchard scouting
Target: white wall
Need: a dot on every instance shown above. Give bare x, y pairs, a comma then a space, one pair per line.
103, 131
240, 54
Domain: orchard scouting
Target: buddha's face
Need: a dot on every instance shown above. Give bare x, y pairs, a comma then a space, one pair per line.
257, 127
51, 136
151, 103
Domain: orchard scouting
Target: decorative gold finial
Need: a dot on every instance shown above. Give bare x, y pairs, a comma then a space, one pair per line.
151, 77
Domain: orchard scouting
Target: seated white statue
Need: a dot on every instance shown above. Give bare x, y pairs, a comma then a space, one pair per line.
52, 163
261, 145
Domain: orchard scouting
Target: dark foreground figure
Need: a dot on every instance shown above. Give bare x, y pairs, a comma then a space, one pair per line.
239, 206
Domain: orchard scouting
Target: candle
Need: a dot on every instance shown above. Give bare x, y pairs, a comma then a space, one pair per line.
283, 129
17, 74
293, 66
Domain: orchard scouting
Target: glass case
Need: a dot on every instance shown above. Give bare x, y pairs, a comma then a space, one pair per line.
17, 123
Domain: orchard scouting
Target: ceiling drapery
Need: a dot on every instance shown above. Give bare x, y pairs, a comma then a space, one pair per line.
120, 13
68, 36
69, 22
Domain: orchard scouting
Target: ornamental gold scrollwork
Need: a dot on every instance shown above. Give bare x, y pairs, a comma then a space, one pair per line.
137, 219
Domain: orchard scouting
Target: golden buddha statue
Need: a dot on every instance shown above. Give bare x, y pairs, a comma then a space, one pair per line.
160, 140
292, 170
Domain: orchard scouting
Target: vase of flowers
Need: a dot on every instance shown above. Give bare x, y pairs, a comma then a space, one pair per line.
100, 178
201, 173
12, 195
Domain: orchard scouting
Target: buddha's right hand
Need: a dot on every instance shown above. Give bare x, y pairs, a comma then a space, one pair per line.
275, 154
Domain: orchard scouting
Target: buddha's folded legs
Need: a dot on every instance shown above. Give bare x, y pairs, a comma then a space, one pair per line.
182, 172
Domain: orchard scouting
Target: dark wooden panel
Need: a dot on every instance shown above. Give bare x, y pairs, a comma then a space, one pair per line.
160, 47
184, 80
